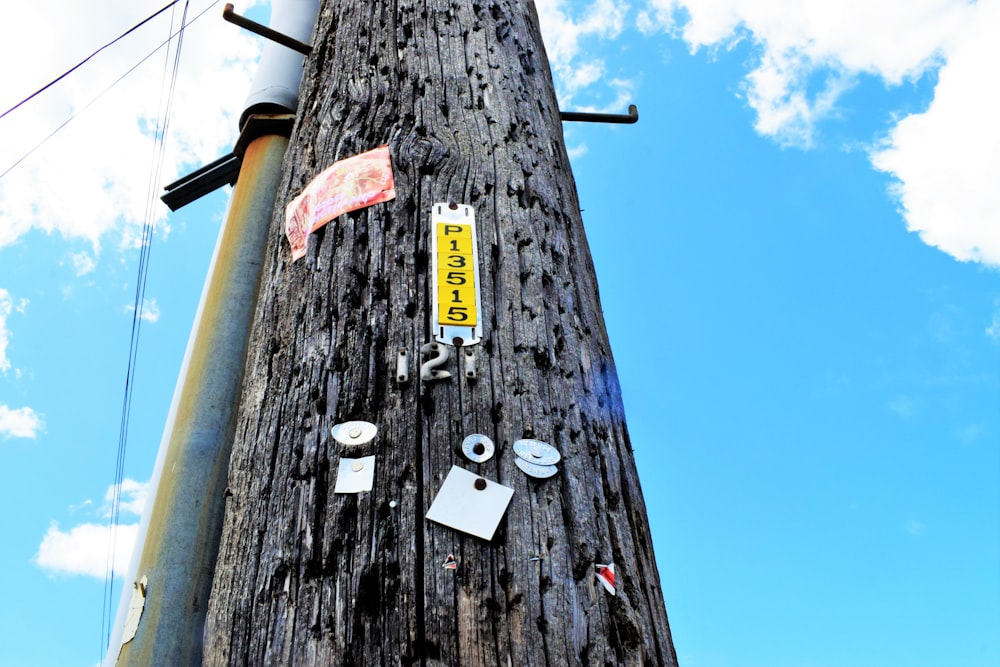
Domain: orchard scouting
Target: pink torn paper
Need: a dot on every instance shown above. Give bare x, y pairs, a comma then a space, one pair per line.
344, 186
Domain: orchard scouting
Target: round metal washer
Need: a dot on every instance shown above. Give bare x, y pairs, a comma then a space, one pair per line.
354, 433
536, 451
535, 470
478, 448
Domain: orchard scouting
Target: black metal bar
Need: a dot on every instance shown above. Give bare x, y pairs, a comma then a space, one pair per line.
631, 117
262, 30
198, 172
199, 183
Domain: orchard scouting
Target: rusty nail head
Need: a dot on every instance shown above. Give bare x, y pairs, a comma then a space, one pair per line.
480, 484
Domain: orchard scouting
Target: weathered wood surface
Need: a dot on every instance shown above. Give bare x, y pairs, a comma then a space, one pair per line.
462, 94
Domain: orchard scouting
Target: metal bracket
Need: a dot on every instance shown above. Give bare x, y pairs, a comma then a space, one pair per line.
295, 45
631, 117
469, 363
402, 367
226, 169
202, 181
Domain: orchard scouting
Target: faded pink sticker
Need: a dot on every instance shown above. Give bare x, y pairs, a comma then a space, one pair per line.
344, 186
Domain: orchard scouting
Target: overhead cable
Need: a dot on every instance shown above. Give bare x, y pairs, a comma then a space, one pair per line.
165, 107
103, 92
84, 61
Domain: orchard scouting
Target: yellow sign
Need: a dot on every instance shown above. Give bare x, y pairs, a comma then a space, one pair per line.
456, 275
455, 279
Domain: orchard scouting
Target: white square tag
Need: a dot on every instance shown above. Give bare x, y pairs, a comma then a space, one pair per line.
355, 475
470, 503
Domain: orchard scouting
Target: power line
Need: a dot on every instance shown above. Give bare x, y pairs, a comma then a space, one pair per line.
103, 92
84, 61
165, 107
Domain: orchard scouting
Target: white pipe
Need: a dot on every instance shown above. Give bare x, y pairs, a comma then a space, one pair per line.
279, 73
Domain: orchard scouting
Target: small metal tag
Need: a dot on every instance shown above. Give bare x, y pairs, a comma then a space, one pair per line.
536, 451
355, 475
535, 470
354, 433
466, 507
478, 448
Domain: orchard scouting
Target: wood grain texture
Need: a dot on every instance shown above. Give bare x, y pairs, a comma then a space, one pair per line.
462, 94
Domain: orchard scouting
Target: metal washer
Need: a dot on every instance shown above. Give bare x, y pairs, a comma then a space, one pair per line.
469, 448
535, 470
354, 433
537, 452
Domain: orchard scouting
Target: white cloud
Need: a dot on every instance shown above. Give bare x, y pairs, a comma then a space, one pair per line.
19, 422
577, 151
133, 496
84, 549
993, 330
6, 306
798, 40
573, 67
149, 311
915, 528
946, 160
83, 263
92, 179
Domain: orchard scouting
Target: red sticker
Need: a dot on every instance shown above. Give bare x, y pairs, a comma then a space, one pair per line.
606, 575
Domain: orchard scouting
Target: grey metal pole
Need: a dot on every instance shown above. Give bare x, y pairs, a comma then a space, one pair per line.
161, 616
183, 527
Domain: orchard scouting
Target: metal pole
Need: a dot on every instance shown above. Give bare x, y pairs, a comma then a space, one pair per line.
181, 532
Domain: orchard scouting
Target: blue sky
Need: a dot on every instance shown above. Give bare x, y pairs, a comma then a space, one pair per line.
798, 253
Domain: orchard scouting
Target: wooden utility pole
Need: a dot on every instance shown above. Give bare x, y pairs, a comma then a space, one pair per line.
462, 94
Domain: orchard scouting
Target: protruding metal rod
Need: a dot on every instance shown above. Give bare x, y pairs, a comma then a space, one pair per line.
631, 117
264, 31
